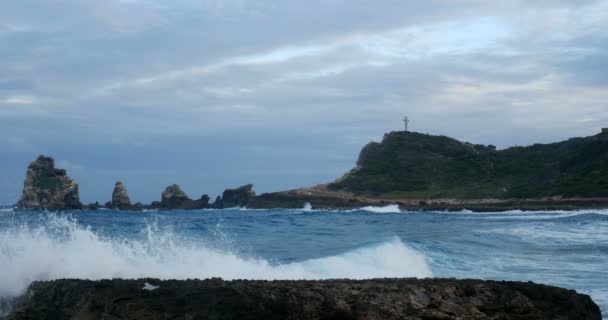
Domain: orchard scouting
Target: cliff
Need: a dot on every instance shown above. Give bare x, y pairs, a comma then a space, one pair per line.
408, 165
47, 187
332, 299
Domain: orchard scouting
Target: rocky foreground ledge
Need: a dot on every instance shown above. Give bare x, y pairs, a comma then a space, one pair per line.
332, 299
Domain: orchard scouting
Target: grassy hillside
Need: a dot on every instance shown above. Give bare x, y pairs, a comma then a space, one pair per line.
414, 165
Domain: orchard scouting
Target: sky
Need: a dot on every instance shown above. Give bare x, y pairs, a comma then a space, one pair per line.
213, 94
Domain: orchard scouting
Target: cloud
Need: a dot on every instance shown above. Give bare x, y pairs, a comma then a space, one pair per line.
17, 100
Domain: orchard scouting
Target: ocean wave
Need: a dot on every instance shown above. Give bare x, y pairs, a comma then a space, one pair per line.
393, 208
551, 233
62, 248
533, 215
7, 209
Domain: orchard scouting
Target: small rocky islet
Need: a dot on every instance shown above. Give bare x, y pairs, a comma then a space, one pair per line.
50, 188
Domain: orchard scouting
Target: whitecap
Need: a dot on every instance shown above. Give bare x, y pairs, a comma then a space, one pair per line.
393, 208
64, 249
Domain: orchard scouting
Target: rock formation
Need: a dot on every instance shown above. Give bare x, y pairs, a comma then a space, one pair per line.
174, 198
204, 201
120, 197
238, 197
93, 206
333, 299
46, 187
217, 204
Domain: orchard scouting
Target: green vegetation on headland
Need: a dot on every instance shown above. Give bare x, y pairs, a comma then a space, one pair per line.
409, 165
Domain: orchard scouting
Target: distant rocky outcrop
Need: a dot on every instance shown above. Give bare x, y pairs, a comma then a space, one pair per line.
301, 300
93, 206
120, 197
204, 200
238, 197
217, 204
173, 197
47, 187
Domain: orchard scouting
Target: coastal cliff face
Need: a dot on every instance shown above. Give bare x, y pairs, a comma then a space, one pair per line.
420, 166
332, 299
47, 187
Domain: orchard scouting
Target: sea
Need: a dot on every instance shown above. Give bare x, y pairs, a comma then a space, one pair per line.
562, 248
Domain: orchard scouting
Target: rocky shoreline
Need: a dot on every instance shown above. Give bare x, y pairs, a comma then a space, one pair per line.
50, 188
329, 299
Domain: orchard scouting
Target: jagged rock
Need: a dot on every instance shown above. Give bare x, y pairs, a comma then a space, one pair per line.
174, 198
299, 300
93, 206
238, 197
138, 206
120, 197
217, 204
204, 201
46, 187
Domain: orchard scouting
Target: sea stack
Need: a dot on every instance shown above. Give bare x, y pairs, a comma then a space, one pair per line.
46, 187
238, 197
120, 197
174, 198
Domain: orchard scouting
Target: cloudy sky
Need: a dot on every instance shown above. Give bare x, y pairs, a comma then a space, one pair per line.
213, 94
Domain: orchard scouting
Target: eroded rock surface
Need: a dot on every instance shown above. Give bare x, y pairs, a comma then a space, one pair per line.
238, 197
174, 198
120, 197
47, 187
333, 299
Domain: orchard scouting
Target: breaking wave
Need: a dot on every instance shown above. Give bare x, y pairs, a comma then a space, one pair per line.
393, 208
62, 248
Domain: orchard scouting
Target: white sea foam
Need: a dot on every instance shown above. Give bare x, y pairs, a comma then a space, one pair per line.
533, 215
7, 209
393, 208
64, 249
551, 233
307, 207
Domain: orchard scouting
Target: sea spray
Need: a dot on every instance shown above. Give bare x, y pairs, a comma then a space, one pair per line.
62, 248
393, 208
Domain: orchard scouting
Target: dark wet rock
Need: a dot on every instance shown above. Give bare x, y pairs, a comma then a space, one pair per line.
217, 204
47, 187
93, 206
332, 299
204, 201
138, 206
238, 197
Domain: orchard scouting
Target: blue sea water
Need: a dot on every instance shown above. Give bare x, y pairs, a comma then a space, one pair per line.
567, 249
